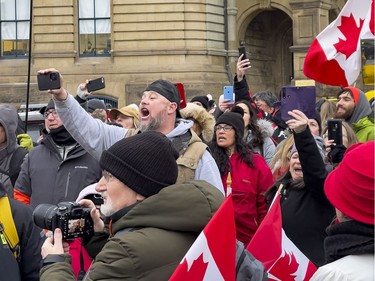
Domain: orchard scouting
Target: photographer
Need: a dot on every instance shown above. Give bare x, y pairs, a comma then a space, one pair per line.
151, 223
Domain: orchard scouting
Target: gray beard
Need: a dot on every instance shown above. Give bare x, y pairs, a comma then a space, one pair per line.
154, 124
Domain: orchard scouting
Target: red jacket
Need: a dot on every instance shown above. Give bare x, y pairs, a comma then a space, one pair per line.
248, 188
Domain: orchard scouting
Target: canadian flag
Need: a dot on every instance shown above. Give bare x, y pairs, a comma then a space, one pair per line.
334, 57
213, 254
281, 258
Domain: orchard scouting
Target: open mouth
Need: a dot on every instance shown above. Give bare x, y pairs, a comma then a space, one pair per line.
144, 113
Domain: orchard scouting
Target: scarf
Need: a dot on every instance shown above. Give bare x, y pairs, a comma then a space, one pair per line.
61, 136
348, 238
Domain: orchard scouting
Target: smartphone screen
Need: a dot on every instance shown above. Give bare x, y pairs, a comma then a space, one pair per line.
301, 98
181, 90
96, 84
335, 130
228, 93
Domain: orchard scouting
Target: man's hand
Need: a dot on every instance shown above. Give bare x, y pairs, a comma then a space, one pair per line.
242, 65
58, 94
299, 121
53, 245
95, 215
82, 90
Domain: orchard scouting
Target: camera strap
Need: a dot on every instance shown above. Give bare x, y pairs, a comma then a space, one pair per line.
8, 229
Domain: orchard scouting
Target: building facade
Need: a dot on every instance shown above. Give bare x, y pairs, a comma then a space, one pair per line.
132, 43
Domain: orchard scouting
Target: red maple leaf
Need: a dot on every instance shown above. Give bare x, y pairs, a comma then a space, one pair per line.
349, 28
285, 268
196, 272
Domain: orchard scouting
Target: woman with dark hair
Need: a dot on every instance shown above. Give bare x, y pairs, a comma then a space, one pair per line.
258, 132
305, 210
246, 172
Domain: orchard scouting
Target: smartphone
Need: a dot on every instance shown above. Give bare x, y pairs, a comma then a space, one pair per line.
95, 84
301, 98
48, 81
228, 93
242, 51
335, 130
181, 89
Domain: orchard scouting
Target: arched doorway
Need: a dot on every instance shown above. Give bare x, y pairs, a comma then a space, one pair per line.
268, 37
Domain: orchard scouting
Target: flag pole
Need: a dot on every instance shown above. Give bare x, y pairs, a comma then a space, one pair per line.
29, 66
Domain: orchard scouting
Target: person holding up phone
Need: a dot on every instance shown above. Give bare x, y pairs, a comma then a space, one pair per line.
335, 150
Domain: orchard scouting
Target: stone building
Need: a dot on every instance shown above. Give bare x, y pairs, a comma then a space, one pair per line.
134, 42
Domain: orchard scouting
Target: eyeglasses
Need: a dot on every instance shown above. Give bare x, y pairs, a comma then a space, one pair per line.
47, 113
108, 176
226, 128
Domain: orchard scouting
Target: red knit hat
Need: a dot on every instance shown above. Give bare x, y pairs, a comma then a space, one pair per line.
354, 92
350, 187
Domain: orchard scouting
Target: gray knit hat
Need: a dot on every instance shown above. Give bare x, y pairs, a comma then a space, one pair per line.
146, 162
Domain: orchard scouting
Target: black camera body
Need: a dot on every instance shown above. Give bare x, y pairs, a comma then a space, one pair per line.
73, 219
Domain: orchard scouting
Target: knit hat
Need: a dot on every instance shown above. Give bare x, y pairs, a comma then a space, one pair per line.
50, 105
233, 118
354, 92
95, 104
129, 111
145, 162
203, 100
350, 187
168, 90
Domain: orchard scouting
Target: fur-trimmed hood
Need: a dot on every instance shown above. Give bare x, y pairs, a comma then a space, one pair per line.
202, 117
265, 127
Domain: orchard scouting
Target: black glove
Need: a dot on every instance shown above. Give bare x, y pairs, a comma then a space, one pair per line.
337, 153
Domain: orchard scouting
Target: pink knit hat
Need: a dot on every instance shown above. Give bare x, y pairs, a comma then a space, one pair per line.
350, 187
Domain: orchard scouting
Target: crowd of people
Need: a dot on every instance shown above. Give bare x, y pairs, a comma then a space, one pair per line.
154, 174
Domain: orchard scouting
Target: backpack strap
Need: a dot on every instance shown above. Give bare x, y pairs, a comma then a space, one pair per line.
15, 163
8, 228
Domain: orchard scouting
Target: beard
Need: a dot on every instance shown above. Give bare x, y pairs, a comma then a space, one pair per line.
346, 114
106, 208
154, 124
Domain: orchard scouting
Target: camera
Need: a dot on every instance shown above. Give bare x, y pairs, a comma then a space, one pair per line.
73, 219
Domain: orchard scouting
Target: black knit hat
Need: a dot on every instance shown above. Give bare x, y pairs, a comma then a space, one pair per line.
93, 104
233, 118
203, 100
146, 162
50, 105
168, 90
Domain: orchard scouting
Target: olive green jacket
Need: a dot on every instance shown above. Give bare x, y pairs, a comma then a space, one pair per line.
163, 227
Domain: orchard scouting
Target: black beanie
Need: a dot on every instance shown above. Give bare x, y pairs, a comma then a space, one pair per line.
50, 105
203, 100
233, 118
146, 162
168, 90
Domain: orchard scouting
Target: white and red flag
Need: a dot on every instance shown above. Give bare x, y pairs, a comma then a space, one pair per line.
281, 258
334, 57
213, 254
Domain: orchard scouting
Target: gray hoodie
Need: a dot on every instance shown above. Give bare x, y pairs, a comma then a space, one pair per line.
95, 137
9, 121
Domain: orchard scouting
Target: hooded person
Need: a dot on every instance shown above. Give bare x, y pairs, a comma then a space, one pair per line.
159, 110
349, 246
354, 108
11, 154
57, 169
151, 224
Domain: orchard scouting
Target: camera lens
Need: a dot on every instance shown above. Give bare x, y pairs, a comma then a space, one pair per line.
53, 76
43, 215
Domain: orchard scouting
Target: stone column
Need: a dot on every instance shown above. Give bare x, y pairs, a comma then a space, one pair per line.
309, 19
